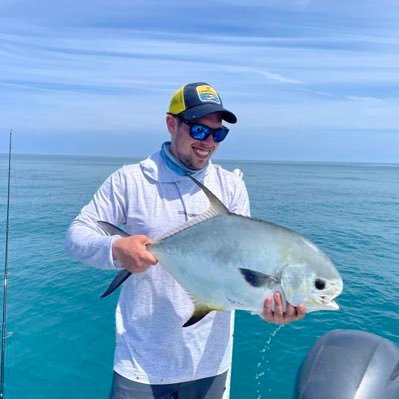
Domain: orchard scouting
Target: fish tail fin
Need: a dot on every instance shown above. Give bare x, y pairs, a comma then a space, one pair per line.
109, 229
116, 282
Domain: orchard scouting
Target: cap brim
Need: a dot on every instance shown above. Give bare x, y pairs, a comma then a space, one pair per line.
206, 109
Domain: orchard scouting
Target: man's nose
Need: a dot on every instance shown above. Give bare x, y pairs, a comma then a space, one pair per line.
209, 139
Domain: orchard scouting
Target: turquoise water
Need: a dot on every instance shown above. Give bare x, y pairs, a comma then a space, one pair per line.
63, 334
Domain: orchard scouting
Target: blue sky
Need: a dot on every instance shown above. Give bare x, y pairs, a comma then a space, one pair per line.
308, 80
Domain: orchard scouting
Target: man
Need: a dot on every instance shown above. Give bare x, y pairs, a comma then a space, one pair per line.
155, 356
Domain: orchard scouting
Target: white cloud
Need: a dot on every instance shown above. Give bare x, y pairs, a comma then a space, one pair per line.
365, 99
299, 66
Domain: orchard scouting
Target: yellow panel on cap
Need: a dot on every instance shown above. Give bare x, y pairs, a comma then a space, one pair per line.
177, 104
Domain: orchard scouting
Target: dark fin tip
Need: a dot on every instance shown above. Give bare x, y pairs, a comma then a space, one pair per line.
116, 282
106, 293
193, 320
199, 314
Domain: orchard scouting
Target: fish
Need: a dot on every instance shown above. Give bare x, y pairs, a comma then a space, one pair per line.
225, 261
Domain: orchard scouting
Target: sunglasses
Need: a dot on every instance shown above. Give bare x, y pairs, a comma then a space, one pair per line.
202, 132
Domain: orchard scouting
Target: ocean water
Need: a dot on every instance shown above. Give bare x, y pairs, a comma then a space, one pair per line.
63, 334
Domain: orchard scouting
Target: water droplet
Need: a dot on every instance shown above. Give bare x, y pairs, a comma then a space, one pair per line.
263, 352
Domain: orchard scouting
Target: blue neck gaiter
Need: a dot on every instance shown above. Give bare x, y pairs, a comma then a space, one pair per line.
176, 165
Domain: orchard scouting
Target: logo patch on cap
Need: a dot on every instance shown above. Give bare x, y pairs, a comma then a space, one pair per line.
208, 94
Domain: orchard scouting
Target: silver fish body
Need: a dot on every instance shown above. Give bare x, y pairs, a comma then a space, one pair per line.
234, 262
226, 261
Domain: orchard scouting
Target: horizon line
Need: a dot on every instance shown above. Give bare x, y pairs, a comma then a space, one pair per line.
215, 160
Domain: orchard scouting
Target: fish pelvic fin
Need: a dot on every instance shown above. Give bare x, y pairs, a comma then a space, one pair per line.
116, 282
200, 311
216, 204
258, 279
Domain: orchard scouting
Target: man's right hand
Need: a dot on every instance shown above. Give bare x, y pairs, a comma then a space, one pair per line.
132, 253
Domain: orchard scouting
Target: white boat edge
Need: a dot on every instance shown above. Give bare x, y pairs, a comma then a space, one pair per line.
226, 394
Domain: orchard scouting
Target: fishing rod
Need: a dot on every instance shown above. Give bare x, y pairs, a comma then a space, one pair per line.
4, 320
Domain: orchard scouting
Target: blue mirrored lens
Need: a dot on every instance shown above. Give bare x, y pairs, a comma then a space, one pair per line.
201, 132
220, 134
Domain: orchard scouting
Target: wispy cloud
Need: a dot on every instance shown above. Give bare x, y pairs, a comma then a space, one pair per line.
366, 99
69, 68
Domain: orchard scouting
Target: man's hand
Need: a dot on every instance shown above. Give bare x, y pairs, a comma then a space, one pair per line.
132, 253
277, 316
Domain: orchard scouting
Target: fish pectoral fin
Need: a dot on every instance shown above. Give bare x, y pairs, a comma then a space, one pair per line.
200, 311
258, 279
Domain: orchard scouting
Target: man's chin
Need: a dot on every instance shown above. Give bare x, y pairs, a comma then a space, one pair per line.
197, 163
200, 164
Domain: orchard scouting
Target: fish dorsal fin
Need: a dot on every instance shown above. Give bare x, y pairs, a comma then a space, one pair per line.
111, 230
195, 220
216, 208
258, 279
216, 204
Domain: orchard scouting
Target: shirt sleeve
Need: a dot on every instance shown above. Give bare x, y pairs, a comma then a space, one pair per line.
84, 240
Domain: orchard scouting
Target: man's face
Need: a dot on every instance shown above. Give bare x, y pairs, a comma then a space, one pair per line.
193, 153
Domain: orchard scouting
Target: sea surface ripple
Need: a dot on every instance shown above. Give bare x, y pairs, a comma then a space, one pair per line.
63, 334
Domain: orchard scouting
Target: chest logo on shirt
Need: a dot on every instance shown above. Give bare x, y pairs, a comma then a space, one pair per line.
190, 215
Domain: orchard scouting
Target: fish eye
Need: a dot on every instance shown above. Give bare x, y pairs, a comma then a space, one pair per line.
320, 284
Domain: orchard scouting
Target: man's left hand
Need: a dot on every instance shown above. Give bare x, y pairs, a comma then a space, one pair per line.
278, 316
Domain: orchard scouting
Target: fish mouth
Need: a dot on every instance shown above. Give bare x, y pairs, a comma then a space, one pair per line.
328, 302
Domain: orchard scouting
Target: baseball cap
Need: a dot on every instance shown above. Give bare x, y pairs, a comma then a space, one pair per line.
195, 100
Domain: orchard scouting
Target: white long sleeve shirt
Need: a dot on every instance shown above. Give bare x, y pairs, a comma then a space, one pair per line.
149, 198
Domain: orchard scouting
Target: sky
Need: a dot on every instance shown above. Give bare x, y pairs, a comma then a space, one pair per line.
308, 80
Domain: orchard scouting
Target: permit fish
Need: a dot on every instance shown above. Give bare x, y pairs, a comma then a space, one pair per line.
226, 261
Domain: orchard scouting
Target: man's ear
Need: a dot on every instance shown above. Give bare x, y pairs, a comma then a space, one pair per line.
171, 123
